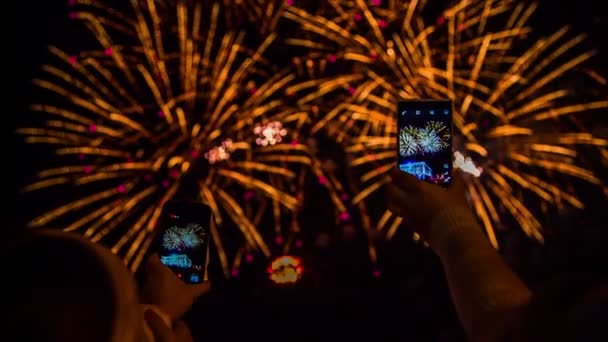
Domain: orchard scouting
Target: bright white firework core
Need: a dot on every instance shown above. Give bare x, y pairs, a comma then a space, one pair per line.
269, 134
219, 153
466, 164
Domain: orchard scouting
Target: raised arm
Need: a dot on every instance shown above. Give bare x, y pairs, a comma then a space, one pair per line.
486, 292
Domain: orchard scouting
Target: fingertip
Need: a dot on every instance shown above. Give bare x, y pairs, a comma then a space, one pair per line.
200, 289
206, 286
154, 264
457, 185
154, 259
405, 181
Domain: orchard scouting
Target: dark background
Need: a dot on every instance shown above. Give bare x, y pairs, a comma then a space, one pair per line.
338, 298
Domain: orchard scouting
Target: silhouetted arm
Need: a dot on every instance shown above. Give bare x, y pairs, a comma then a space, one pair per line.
487, 294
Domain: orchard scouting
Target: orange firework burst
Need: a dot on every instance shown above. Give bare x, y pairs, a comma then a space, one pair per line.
285, 269
264, 14
166, 97
508, 101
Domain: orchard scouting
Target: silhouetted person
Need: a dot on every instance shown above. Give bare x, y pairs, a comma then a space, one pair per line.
62, 287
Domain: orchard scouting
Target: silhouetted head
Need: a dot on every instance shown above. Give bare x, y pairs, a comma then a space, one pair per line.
62, 287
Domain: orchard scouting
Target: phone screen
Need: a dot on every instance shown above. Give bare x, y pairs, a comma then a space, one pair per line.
424, 139
183, 241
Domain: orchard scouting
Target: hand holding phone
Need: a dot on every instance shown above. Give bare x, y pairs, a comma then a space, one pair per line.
174, 276
424, 140
420, 202
162, 288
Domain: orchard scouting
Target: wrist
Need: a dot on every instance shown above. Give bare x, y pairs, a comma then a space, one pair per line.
448, 225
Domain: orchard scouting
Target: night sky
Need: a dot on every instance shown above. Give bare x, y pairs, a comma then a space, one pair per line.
338, 297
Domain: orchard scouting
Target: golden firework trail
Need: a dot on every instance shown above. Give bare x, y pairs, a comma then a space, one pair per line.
264, 15
167, 90
508, 98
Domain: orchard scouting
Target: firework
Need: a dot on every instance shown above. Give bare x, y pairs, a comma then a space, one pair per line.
430, 141
183, 238
172, 238
263, 15
466, 165
220, 153
440, 129
432, 138
408, 144
269, 134
164, 96
508, 99
285, 269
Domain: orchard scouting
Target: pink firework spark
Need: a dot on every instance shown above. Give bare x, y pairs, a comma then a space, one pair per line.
220, 153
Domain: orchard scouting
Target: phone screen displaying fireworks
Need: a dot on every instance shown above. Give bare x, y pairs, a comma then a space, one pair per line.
184, 238
424, 139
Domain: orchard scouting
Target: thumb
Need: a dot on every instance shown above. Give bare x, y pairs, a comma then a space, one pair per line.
154, 262
199, 289
155, 266
404, 181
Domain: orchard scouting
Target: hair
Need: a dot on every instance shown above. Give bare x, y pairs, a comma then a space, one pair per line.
58, 290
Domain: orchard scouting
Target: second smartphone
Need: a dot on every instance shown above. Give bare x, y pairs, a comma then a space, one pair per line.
183, 239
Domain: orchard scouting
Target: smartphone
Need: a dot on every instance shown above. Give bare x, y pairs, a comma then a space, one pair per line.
183, 239
424, 139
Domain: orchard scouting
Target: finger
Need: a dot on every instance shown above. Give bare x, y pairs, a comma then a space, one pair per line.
153, 261
161, 332
198, 290
399, 201
396, 210
150, 269
405, 181
182, 332
156, 266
